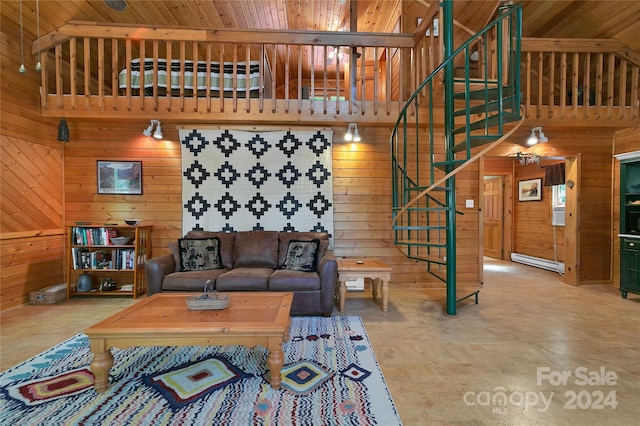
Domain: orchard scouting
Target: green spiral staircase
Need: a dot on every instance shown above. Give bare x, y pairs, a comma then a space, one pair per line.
436, 133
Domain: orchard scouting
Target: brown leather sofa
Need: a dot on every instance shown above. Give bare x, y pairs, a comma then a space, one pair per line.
253, 261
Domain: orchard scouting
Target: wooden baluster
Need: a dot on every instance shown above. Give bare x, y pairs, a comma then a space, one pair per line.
575, 88
235, 77
100, 73
169, 66
586, 85
87, 72
195, 98
248, 79
128, 72
611, 78
73, 57
563, 83
156, 78
114, 71
552, 82
376, 87
599, 71
208, 79
59, 94
183, 59
299, 48
623, 88
143, 76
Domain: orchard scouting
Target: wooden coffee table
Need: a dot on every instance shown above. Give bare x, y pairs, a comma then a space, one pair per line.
164, 320
375, 269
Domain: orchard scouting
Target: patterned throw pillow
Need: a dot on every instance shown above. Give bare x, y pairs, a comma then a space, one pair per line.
302, 255
198, 254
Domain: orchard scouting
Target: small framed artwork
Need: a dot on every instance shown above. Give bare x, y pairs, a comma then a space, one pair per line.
530, 190
120, 177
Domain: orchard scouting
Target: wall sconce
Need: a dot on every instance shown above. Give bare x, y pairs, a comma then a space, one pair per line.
533, 139
352, 133
149, 130
63, 131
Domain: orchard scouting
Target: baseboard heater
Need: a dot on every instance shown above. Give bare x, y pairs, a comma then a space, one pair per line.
538, 262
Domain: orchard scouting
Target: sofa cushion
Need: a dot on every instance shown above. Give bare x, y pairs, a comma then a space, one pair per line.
227, 242
256, 249
252, 279
286, 280
285, 237
190, 280
302, 255
197, 254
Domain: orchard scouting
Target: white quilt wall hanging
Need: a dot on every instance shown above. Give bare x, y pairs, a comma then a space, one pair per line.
240, 181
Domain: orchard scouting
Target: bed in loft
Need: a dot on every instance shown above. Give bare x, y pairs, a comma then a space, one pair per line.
171, 81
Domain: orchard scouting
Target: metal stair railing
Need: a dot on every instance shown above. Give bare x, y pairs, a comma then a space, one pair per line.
424, 203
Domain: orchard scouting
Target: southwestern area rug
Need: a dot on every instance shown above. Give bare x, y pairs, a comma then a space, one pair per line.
330, 377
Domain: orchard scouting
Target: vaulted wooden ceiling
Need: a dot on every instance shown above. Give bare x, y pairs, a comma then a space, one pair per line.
618, 19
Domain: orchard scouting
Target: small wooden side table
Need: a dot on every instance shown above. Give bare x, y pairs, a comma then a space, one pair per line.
375, 269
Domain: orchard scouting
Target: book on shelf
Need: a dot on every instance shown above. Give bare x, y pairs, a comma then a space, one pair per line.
93, 236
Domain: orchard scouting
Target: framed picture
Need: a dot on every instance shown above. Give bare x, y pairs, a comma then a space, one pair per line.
530, 190
119, 177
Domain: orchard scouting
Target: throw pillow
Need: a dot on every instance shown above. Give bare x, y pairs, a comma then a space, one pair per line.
302, 255
198, 254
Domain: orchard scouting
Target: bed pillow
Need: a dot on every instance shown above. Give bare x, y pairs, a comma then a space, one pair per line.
302, 255
199, 254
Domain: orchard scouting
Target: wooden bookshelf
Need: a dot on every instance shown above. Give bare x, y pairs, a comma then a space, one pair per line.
92, 251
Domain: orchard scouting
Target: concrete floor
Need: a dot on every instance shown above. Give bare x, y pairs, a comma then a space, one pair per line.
534, 351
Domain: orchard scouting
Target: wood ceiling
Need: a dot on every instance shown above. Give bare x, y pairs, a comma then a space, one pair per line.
618, 19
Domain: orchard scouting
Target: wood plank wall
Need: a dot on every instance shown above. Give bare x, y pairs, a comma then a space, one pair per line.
625, 141
31, 196
362, 193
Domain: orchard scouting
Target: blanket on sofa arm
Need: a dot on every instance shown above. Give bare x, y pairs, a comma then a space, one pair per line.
296, 262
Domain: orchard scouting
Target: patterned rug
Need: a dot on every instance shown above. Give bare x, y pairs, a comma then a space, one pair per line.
330, 377
242, 181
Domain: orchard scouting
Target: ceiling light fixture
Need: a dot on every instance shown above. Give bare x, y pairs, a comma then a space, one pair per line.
352, 133
149, 130
533, 139
22, 69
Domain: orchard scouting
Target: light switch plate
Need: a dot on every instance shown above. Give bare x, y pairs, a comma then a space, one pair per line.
469, 204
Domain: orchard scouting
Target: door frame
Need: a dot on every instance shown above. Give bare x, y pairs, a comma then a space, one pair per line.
572, 218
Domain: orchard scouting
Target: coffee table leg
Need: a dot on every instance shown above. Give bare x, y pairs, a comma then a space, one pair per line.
275, 361
101, 364
342, 294
385, 294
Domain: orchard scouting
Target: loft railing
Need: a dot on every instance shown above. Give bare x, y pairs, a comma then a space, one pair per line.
118, 69
561, 76
362, 76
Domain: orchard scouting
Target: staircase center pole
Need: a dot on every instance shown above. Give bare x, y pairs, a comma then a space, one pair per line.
449, 123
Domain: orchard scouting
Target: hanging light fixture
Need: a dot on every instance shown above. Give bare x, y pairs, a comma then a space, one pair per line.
352, 133
533, 139
63, 131
38, 64
21, 68
149, 130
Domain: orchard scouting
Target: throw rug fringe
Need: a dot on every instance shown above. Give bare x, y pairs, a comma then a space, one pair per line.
330, 377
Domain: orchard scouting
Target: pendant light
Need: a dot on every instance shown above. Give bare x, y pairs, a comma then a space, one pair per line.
38, 64
22, 68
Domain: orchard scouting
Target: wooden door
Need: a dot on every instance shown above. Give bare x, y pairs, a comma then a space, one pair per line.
493, 217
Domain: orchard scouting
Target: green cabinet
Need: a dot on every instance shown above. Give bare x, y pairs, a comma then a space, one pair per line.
630, 266
629, 227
